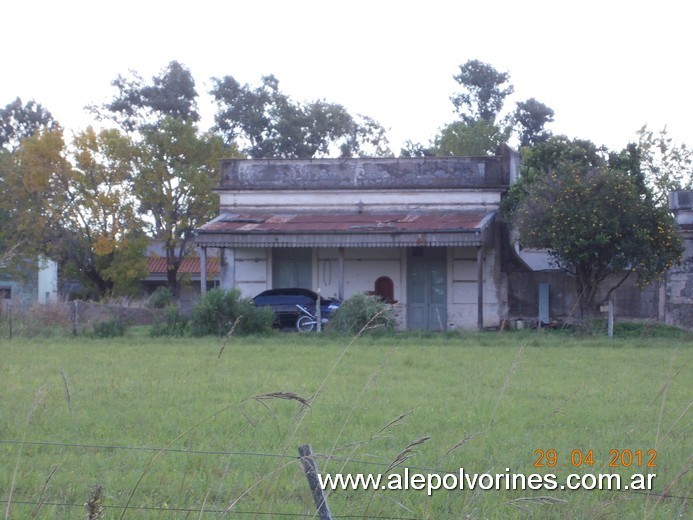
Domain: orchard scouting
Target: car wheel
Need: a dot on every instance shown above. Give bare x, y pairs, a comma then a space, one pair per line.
305, 324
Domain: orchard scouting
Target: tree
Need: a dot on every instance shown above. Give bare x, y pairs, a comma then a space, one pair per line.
531, 116
484, 92
106, 242
138, 104
37, 177
593, 220
481, 129
175, 173
269, 124
176, 166
18, 120
470, 139
75, 206
666, 166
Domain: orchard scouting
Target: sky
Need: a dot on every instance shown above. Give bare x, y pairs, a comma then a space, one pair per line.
605, 67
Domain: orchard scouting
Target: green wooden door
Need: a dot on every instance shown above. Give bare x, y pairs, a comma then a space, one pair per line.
427, 289
291, 267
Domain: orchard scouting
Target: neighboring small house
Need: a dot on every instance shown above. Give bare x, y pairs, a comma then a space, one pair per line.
421, 231
38, 285
189, 272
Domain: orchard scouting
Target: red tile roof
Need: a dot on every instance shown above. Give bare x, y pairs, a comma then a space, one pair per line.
157, 265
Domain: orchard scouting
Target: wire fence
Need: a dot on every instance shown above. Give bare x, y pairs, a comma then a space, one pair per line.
207, 510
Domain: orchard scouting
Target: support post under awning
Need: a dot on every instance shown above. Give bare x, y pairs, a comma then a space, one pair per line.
340, 274
480, 287
203, 272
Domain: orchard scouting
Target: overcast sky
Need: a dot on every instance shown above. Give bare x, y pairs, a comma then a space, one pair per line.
606, 68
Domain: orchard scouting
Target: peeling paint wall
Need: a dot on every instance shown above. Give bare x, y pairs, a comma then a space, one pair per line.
679, 283
372, 173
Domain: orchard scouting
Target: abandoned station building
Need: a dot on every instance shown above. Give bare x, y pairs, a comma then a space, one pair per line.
422, 232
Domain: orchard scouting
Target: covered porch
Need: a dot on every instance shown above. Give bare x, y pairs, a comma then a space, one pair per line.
439, 266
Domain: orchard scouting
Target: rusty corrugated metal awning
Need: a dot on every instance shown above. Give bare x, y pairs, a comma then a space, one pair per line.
405, 229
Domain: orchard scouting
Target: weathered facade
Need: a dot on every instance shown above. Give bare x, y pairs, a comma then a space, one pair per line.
678, 307
424, 229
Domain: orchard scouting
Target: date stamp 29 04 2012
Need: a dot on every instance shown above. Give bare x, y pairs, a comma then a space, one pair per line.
585, 458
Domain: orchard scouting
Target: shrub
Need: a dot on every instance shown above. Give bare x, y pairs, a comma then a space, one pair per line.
360, 311
109, 329
218, 310
161, 298
172, 323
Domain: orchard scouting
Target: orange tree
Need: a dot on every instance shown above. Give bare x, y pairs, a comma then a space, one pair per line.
595, 218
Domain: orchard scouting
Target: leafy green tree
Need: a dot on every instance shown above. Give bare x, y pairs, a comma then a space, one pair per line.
268, 123
594, 221
19, 120
484, 92
175, 168
483, 123
37, 175
666, 165
75, 205
110, 245
139, 104
175, 174
532, 116
482, 126
545, 157
480, 138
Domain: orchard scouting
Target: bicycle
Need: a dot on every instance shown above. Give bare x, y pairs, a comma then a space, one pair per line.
307, 322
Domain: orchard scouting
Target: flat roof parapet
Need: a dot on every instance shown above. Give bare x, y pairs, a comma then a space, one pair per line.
365, 173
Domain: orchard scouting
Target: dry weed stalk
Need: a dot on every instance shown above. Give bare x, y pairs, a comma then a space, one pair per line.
395, 421
289, 396
666, 492
44, 488
67, 390
407, 453
463, 442
506, 382
228, 335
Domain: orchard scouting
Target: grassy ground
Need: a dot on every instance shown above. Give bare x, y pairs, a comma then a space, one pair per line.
233, 419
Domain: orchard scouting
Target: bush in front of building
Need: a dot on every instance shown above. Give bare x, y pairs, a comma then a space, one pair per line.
112, 328
171, 323
220, 310
362, 312
161, 298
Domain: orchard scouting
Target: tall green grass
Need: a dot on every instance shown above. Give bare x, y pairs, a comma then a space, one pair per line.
234, 418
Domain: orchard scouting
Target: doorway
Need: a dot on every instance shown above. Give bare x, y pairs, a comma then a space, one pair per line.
427, 288
291, 267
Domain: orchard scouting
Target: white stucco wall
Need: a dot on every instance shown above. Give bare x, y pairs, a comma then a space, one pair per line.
252, 270
463, 289
47, 281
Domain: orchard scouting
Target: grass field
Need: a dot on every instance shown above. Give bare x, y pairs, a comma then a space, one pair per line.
79, 412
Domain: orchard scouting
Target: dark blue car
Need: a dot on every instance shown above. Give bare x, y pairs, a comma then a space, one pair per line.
284, 304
